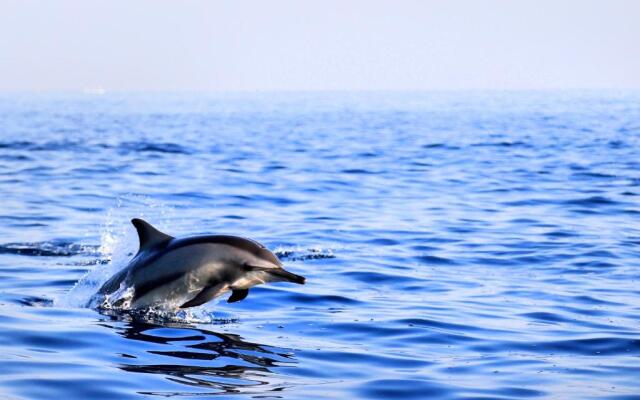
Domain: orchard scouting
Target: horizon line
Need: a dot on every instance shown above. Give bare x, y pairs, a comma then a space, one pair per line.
103, 91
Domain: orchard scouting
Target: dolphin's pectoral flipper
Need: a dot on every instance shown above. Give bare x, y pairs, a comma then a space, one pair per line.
237, 295
205, 295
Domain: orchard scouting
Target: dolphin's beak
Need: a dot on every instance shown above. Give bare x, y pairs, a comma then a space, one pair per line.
287, 276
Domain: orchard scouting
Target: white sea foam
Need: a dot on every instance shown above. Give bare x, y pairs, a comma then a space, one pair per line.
118, 243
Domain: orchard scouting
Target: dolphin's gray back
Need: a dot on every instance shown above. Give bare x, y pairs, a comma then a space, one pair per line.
213, 242
248, 245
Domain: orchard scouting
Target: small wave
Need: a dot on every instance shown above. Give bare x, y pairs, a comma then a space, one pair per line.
546, 317
380, 278
259, 198
561, 234
592, 201
593, 175
19, 145
29, 301
20, 157
55, 248
358, 171
427, 259
326, 300
502, 144
45, 146
588, 347
34, 301
403, 389
440, 146
171, 148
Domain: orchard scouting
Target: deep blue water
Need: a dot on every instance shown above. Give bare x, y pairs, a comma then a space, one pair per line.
456, 245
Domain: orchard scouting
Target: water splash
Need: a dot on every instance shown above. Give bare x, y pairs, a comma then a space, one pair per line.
298, 253
118, 243
163, 316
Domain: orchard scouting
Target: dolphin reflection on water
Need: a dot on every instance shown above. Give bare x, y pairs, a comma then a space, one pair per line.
186, 272
213, 362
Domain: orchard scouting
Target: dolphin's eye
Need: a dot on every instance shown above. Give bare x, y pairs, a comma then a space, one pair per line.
247, 267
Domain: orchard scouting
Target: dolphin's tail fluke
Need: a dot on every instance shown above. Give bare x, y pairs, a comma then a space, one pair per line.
287, 276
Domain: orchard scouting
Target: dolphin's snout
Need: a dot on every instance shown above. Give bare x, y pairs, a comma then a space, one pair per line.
288, 276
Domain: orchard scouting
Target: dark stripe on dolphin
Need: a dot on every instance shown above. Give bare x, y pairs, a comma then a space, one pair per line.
154, 284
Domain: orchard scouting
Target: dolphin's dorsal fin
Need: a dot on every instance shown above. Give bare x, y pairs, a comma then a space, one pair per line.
148, 235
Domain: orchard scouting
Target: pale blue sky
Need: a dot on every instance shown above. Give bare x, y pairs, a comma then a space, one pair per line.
318, 45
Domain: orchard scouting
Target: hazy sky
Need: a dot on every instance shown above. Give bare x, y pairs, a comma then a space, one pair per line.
308, 45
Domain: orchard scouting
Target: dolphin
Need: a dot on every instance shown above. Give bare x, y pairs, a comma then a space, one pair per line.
187, 272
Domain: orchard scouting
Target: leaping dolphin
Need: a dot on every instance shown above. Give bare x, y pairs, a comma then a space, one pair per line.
188, 272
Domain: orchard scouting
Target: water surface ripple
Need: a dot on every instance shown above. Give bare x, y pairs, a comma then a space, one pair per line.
460, 245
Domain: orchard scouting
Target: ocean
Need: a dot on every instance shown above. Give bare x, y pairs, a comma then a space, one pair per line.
456, 245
